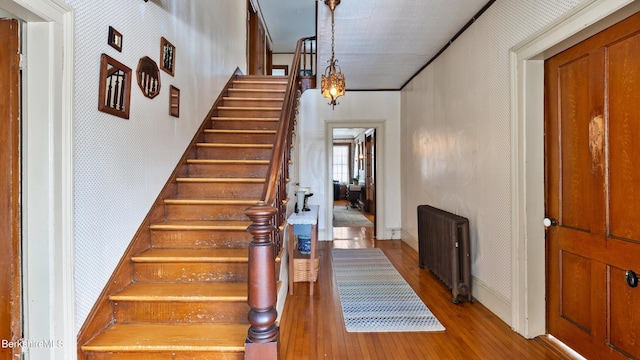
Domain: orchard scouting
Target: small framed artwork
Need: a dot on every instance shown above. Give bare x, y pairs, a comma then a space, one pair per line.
115, 39
148, 77
114, 92
167, 56
174, 101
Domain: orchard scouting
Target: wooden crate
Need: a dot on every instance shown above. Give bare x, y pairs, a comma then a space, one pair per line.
301, 267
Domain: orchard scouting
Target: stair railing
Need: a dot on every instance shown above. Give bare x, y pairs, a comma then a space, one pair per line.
267, 215
308, 63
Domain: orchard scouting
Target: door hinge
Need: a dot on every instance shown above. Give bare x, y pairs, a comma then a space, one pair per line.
21, 61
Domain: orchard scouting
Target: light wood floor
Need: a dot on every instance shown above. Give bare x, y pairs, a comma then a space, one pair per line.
313, 328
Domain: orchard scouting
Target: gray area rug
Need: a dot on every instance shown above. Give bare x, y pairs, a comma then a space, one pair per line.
375, 297
343, 217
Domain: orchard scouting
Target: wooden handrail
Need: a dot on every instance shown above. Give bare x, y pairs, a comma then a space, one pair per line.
267, 215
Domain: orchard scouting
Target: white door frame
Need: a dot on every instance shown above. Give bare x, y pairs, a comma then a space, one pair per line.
527, 146
47, 180
379, 159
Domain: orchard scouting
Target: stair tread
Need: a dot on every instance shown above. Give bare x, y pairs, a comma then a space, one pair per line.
192, 255
242, 90
229, 131
243, 118
236, 98
201, 225
262, 146
220, 180
227, 161
261, 108
167, 337
181, 292
194, 201
262, 81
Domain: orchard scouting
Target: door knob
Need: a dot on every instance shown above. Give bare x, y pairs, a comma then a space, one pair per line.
549, 222
632, 278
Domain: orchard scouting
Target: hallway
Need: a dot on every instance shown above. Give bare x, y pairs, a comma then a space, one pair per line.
314, 328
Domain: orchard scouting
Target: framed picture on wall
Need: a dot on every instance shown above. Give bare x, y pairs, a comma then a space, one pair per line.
114, 39
174, 101
114, 92
167, 56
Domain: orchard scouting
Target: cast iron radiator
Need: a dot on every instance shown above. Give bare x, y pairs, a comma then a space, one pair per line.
443, 247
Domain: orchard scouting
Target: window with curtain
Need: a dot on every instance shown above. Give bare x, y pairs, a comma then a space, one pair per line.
341, 163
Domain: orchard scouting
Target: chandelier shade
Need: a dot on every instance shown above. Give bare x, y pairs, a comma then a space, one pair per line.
333, 81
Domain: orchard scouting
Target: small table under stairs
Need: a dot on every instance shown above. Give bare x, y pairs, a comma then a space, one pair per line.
303, 218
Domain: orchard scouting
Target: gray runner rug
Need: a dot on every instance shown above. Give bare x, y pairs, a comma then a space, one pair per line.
375, 297
343, 217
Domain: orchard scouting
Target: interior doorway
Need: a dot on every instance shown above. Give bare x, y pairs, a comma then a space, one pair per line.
353, 174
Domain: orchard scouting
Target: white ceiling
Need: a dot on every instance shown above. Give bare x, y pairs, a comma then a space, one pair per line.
379, 44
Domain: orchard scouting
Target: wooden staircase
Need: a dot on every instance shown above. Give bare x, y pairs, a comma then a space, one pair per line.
187, 298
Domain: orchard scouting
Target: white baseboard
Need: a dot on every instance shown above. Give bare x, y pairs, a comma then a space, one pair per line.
495, 302
410, 240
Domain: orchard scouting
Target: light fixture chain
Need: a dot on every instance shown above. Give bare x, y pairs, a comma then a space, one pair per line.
333, 27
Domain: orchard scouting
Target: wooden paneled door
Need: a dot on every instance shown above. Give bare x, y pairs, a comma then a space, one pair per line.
10, 292
370, 173
256, 43
592, 139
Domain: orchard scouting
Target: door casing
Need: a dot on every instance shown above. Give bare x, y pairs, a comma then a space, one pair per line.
47, 179
379, 165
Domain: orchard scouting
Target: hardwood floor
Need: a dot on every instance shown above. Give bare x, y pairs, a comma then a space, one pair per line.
313, 328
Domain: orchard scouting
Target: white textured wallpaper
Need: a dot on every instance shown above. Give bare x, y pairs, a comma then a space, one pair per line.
456, 128
121, 165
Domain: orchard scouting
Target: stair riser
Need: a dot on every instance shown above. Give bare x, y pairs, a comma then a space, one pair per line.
200, 239
251, 102
166, 355
239, 138
245, 124
184, 272
258, 85
206, 211
247, 93
180, 312
260, 113
220, 190
234, 153
228, 170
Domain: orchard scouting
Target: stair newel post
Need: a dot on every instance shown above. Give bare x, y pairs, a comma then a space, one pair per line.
262, 338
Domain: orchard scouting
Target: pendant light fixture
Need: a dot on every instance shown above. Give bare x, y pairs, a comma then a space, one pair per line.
332, 84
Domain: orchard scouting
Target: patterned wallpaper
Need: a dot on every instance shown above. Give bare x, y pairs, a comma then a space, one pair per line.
457, 126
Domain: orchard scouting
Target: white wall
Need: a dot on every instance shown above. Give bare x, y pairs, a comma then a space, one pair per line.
379, 109
121, 165
282, 59
456, 131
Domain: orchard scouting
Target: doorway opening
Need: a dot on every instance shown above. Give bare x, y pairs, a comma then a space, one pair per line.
353, 173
